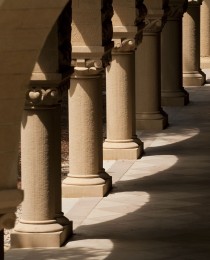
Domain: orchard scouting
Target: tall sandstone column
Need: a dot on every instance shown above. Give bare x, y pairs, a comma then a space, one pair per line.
149, 114
172, 91
205, 34
192, 73
89, 40
42, 223
121, 141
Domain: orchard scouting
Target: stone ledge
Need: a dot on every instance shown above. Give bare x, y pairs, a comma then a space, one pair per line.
122, 154
152, 124
32, 240
78, 191
193, 79
175, 101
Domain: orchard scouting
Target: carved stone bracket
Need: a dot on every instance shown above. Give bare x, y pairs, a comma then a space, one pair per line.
41, 97
141, 13
153, 24
195, 2
86, 50
124, 45
87, 67
156, 17
176, 9
127, 36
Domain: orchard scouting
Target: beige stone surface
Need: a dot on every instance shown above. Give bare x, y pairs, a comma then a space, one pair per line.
38, 209
22, 36
86, 35
42, 239
41, 157
149, 114
86, 174
205, 34
192, 74
172, 91
121, 141
158, 208
84, 150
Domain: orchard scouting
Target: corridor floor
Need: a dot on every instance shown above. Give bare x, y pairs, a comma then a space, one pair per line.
159, 207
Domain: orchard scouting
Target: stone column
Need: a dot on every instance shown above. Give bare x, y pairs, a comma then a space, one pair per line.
172, 91
2, 244
42, 223
38, 227
121, 141
86, 176
149, 114
192, 74
84, 173
205, 34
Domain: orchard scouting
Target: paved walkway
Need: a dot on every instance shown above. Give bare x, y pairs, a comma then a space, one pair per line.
159, 207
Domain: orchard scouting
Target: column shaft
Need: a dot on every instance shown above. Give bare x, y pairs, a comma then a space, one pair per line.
85, 139
205, 34
37, 165
38, 226
149, 114
192, 74
56, 172
42, 223
120, 86
172, 91
2, 244
38, 208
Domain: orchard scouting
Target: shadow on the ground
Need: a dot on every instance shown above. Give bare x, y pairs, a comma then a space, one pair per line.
174, 223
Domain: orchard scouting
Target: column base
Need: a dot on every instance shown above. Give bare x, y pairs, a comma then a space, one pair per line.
174, 99
196, 78
152, 121
33, 240
62, 220
78, 191
139, 142
205, 62
127, 150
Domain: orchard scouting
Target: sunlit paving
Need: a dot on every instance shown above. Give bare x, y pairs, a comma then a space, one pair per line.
158, 207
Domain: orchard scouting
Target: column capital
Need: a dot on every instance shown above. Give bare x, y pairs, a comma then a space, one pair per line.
156, 16
42, 97
90, 41
124, 45
87, 67
195, 2
176, 9
141, 13
128, 24
153, 24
